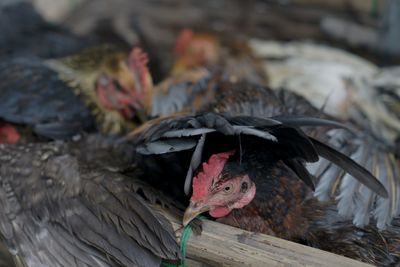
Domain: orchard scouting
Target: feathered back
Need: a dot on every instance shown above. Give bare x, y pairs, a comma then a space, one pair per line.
58, 210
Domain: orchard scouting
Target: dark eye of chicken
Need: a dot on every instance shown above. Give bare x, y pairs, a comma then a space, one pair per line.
244, 187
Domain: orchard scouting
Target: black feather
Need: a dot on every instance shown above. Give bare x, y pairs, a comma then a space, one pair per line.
293, 143
350, 166
298, 167
300, 121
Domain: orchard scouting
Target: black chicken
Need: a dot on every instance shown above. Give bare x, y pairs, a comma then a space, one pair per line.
67, 206
249, 175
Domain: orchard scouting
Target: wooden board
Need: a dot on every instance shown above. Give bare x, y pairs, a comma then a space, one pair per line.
223, 245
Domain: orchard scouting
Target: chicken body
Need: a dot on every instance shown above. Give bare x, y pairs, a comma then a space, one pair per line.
250, 180
216, 94
99, 89
284, 207
289, 211
66, 206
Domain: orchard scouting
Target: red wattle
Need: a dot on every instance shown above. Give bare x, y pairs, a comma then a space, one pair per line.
220, 212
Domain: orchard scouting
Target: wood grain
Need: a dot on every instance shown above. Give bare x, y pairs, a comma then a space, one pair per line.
223, 245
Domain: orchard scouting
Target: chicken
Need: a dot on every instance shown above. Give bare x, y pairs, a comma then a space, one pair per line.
231, 55
197, 55
246, 173
215, 93
67, 206
99, 89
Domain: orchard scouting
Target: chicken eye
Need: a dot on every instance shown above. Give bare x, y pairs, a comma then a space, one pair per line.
244, 187
228, 189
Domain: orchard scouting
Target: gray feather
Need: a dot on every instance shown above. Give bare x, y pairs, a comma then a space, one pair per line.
349, 187
187, 132
255, 132
300, 121
62, 211
166, 146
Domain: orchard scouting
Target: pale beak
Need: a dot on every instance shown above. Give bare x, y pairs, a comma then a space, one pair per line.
192, 211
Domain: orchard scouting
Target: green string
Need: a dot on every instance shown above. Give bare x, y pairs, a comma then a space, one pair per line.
374, 8
187, 231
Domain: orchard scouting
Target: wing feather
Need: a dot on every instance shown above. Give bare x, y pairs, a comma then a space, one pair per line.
73, 215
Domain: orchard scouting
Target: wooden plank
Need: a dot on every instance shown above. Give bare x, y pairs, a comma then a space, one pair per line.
193, 263
223, 245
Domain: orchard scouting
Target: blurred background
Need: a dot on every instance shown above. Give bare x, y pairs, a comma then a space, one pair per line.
365, 27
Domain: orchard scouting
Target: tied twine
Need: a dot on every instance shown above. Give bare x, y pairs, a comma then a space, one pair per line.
187, 231
374, 8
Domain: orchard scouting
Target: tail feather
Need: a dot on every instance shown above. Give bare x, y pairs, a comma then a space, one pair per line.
354, 199
386, 209
350, 166
332, 174
365, 201
350, 194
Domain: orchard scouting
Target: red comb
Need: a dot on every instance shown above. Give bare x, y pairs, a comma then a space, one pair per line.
138, 60
183, 41
211, 170
8, 134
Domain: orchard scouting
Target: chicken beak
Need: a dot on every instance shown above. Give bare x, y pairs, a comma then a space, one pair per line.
192, 211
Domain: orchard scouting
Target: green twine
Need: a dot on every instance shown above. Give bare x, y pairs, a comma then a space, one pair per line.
187, 231
374, 8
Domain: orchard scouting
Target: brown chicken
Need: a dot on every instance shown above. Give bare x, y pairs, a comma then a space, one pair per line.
215, 93
228, 54
249, 179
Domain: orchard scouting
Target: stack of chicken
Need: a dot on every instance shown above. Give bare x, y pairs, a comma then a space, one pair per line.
77, 189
